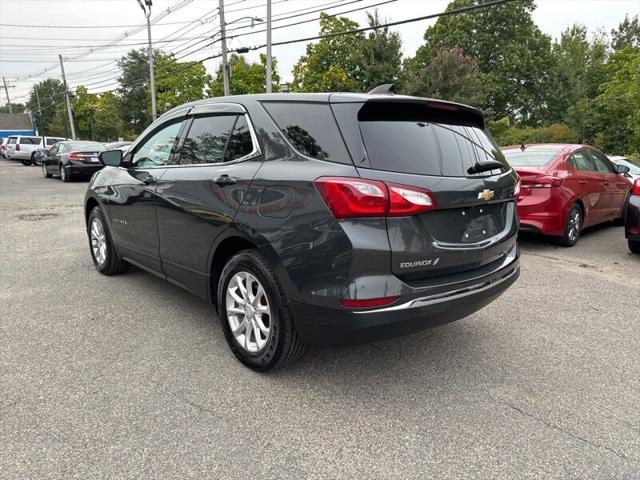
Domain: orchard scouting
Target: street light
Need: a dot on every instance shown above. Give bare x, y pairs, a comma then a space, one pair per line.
147, 14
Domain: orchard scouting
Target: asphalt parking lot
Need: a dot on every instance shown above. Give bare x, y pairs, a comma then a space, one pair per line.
130, 377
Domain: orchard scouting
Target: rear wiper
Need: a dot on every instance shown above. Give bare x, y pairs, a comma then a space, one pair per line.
484, 166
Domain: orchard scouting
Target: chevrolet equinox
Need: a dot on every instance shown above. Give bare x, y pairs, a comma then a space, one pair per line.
322, 219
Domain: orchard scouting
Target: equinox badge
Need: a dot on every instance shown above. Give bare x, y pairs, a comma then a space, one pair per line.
485, 195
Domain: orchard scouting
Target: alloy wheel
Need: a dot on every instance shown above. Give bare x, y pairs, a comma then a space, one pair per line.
575, 222
248, 312
63, 174
44, 169
98, 241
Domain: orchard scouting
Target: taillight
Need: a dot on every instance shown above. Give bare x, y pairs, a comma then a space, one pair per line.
75, 156
368, 302
636, 187
544, 181
17, 147
516, 188
356, 197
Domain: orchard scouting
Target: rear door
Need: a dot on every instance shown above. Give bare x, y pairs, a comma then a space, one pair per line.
432, 146
199, 197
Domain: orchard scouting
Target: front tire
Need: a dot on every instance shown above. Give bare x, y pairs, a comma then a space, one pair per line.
255, 315
634, 246
104, 255
573, 227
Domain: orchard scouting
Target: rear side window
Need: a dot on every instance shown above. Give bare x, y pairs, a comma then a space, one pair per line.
30, 140
311, 129
12, 141
411, 138
531, 158
207, 139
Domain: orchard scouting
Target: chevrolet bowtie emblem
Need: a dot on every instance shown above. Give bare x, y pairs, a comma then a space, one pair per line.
485, 195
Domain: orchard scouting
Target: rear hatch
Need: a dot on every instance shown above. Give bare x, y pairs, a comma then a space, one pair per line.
432, 145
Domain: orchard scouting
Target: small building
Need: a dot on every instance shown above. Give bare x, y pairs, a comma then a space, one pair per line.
16, 124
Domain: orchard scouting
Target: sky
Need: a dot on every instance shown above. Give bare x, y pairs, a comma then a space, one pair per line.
25, 51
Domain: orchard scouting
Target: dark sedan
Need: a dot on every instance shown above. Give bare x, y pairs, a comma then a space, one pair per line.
632, 219
70, 160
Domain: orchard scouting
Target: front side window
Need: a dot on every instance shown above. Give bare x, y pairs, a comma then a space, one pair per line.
602, 164
311, 129
207, 139
580, 161
156, 150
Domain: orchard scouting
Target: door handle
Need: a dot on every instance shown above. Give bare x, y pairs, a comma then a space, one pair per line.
606, 184
225, 180
582, 182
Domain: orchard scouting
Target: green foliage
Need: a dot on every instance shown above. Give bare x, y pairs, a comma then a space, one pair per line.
51, 94
451, 75
507, 134
186, 85
15, 107
380, 55
245, 77
333, 63
510, 50
627, 34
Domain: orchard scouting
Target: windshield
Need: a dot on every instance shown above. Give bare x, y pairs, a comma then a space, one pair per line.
531, 158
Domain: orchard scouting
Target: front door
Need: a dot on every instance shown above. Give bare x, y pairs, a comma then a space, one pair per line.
132, 196
616, 185
199, 198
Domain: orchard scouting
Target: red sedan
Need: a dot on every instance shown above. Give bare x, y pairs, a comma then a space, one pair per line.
565, 188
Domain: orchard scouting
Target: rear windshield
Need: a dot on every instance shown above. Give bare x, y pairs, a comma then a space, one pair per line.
411, 138
30, 140
87, 146
531, 158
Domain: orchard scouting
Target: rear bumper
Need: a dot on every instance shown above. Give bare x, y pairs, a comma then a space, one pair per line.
83, 169
632, 220
328, 326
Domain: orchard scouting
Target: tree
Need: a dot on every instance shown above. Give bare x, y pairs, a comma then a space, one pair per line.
245, 77
175, 83
627, 34
509, 49
51, 94
451, 75
380, 55
15, 107
333, 63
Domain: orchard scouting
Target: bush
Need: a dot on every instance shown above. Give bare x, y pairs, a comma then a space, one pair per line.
507, 134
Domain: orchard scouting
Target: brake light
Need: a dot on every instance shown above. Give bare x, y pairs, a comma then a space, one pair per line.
544, 181
516, 188
356, 197
75, 156
17, 147
368, 302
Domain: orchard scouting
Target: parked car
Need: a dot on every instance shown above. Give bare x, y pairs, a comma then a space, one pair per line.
634, 165
71, 159
566, 188
21, 147
3, 147
632, 219
313, 218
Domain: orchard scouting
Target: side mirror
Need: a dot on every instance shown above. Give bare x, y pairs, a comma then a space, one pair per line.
111, 158
622, 169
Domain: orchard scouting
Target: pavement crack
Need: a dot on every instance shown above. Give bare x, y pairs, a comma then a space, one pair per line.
566, 432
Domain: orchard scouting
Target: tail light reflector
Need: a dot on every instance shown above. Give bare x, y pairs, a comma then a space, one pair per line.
516, 188
75, 156
636, 187
544, 181
17, 147
355, 198
368, 302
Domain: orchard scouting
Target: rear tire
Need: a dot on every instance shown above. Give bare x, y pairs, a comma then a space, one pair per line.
45, 173
634, 246
281, 344
26, 163
573, 227
103, 252
63, 174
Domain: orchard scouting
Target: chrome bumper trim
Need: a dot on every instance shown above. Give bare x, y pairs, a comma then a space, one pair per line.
448, 296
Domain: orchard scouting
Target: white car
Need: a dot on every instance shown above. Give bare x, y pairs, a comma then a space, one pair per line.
634, 165
24, 147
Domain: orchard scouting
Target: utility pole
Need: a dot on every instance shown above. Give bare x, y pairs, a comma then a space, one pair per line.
223, 40
66, 96
152, 79
268, 46
6, 92
35, 87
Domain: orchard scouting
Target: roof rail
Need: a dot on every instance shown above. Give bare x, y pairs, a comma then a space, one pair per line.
384, 88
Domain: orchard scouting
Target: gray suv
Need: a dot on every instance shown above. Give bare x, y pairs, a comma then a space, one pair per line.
324, 219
